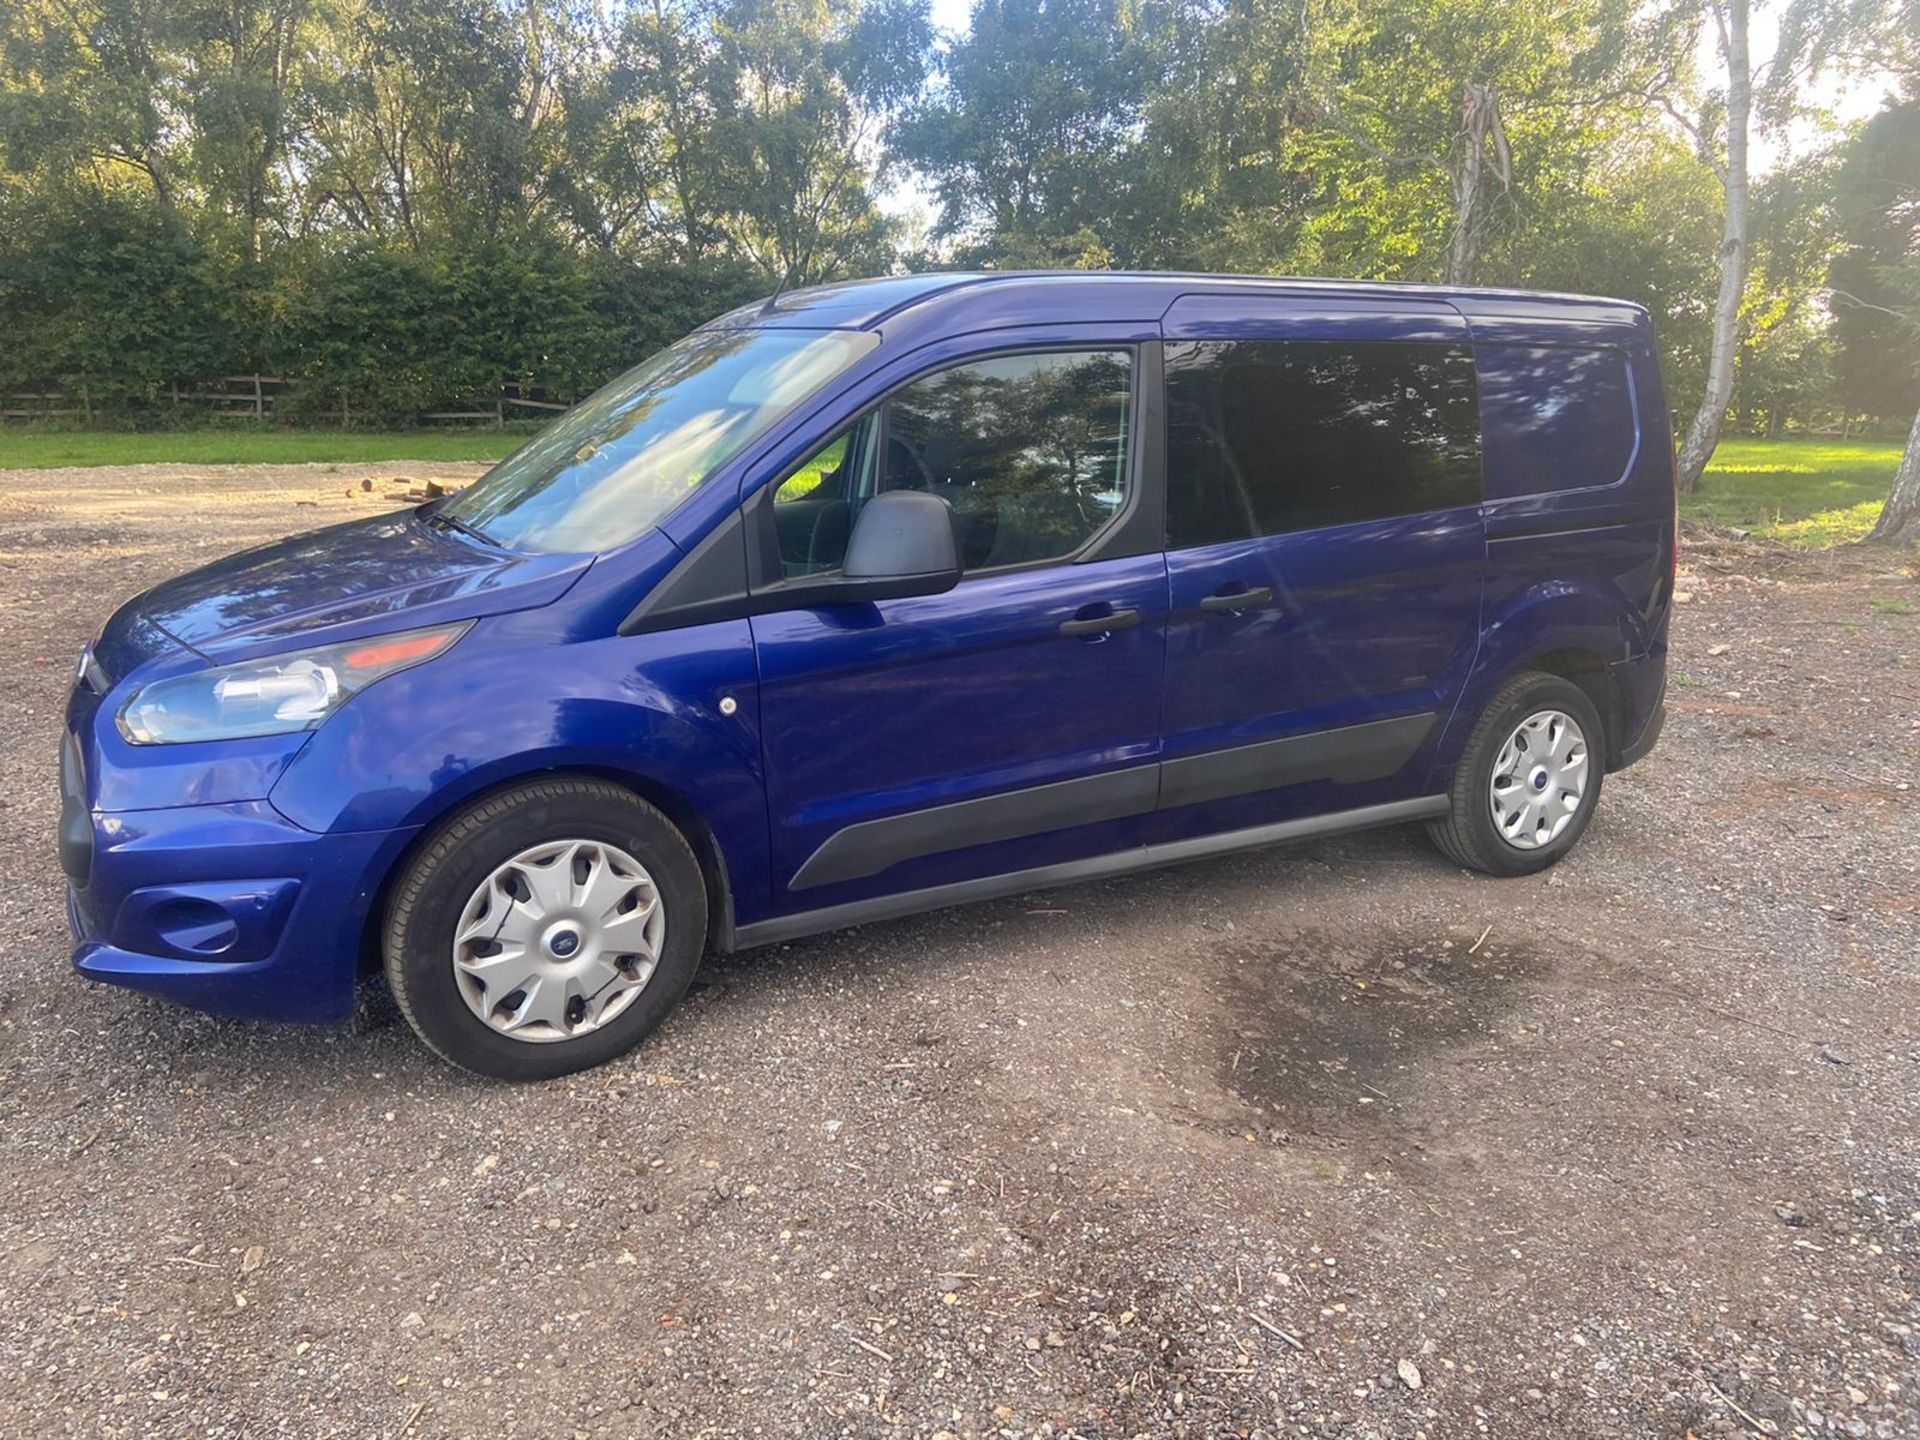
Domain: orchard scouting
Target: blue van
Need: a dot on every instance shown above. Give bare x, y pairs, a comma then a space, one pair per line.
880, 597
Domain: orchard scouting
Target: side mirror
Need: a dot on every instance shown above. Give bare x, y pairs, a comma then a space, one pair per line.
904, 543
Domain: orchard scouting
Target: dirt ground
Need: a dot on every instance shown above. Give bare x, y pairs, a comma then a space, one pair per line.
1329, 1140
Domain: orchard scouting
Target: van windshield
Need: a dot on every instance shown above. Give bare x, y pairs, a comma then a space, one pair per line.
614, 465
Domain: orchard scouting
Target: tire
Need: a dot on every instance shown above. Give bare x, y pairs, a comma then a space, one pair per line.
1468, 834
437, 891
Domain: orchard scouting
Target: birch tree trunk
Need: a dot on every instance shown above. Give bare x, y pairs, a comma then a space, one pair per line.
1480, 128
1900, 521
1464, 249
1703, 435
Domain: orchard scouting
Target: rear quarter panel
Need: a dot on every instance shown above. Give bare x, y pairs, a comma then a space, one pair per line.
1579, 509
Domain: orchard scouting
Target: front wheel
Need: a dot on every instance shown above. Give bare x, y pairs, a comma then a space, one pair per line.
545, 929
1528, 779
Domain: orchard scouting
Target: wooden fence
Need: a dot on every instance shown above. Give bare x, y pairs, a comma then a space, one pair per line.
509, 398
257, 397
43, 404
246, 396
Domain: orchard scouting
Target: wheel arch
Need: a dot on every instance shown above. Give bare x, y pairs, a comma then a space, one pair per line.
679, 810
1579, 665
1577, 632
1592, 674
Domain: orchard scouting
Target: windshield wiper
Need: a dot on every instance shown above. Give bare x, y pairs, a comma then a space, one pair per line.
449, 522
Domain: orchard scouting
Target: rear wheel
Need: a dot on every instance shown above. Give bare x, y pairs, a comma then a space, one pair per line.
546, 929
1528, 779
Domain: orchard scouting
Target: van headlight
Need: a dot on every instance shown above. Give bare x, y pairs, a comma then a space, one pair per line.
275, 695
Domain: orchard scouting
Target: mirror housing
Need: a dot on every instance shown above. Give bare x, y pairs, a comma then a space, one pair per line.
905, 537
905, 542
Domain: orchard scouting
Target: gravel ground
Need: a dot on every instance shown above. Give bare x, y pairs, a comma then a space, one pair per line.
1329, 1140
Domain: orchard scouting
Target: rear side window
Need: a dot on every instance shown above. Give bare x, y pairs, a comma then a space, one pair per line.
1264, 438
1557, 419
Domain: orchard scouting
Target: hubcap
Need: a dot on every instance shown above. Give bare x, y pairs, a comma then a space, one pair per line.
1539, 780
559, 940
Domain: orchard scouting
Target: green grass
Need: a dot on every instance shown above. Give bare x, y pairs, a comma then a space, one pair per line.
1805, 492
27, 449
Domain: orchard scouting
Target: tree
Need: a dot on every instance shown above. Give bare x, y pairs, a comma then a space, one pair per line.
406, 204
1702, 435
1900, 517
1784, 357
1899, 520
800, 90
85, 88
658, 119
1875, 194
1636, 220
1458, 121
1876, 277
1814, 36
409, 203
1389, 140
249, 59
1029, 135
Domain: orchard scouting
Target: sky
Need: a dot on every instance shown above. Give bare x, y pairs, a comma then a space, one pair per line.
907, 197
952, 14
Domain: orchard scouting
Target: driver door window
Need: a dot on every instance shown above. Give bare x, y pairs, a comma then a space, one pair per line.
1030, 450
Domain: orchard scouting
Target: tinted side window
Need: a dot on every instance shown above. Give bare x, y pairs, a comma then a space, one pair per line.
1264, 438
1030, 450
1557, 419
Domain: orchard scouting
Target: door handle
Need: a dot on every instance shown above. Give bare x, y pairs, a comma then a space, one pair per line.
1100, 624
1239, 599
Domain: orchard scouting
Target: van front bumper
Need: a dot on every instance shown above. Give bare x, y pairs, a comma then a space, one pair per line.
231, 908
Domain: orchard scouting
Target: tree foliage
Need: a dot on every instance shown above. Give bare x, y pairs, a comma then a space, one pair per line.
406, 205
1876, 204
1029, 139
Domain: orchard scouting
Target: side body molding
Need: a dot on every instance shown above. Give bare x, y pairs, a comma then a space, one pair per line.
876, 845
1349, 754
1073, 872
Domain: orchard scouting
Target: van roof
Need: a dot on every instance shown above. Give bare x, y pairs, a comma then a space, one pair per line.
1052, 296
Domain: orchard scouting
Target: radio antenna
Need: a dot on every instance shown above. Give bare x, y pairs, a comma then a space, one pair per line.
801, 260
780, 289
